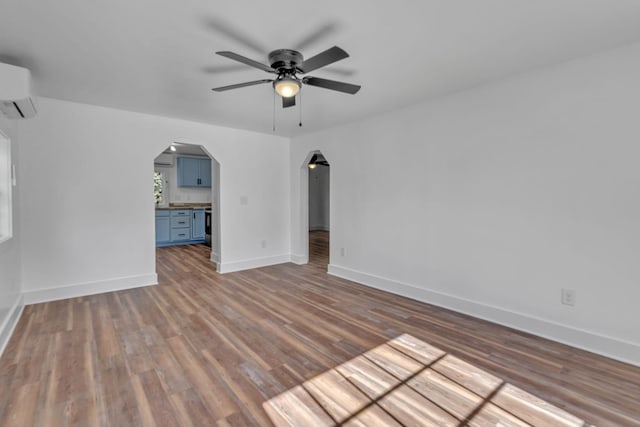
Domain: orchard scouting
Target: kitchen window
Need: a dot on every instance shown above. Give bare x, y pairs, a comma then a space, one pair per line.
5, 188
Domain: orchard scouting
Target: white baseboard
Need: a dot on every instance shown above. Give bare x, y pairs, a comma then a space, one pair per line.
10, 321
215, 257
610, 347
90, 288
230, 267
299, 259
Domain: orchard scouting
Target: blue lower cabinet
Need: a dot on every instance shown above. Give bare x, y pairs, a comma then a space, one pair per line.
181, 222
179, 227
163, 229
197, 229
180, 234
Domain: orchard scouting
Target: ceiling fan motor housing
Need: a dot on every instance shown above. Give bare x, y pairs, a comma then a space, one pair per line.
285, 60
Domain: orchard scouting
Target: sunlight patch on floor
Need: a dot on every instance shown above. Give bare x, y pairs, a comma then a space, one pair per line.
406, 381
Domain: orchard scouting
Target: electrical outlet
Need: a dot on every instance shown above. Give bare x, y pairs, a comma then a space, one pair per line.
341, 251
264, 243
568, 297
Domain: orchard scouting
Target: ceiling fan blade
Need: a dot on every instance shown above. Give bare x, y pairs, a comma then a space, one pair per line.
288, 102
311, 38
222, 68
246, 60
235, 34
331, 84
239, 85
344, 72
323, 59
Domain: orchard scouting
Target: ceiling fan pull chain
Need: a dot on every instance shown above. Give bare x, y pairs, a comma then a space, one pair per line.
300, 99
274, 111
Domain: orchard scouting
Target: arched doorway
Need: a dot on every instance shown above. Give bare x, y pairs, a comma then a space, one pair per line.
315, 186
187, 194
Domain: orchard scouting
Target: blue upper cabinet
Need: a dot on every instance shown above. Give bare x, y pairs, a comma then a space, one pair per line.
204, 173
187, 172
194, 172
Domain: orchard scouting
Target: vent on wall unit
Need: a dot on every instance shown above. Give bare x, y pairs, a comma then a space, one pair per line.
20, 109
16, 101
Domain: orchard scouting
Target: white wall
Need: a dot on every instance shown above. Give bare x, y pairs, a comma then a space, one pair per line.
88, 212
10, 296
491, 200
319, 198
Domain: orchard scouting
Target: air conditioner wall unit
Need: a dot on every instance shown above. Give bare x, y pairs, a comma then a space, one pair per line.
16, 100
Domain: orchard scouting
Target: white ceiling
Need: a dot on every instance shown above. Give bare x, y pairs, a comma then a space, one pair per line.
159, 57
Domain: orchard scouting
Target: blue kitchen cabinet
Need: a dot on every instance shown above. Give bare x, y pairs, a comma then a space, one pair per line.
204, 173
180, 227
187, 172
197, 229
163, 227
194, 172
180, 234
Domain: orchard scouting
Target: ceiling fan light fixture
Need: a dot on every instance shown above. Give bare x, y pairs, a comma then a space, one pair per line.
287, 87
312, 161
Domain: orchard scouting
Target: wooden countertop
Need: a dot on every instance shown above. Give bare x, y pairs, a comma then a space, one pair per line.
174, 206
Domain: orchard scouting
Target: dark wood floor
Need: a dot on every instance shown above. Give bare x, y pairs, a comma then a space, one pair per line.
205, 349
319, 249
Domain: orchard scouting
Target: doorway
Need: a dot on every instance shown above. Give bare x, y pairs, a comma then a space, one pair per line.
187, 194
319, 225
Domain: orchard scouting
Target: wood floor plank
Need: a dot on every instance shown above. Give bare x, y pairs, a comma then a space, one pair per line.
21, 408
411, 408
368, 377
156, 398
532, 409
339, 398
291, 345
450, 396
190, 410
213, 396
297, 408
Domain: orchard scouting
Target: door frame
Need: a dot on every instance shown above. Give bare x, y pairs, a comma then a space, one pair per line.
216, 243
304, 207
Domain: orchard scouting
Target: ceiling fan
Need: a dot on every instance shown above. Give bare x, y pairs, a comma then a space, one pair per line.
286, 64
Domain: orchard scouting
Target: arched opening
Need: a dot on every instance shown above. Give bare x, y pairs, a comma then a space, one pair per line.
187, 195
315, 186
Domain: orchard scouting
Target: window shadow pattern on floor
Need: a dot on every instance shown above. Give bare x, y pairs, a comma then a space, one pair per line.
408, 382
